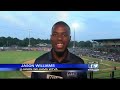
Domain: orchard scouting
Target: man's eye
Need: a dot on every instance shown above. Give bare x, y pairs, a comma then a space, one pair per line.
54, 34
65, 35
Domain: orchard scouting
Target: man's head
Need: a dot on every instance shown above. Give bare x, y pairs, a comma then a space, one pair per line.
60, 37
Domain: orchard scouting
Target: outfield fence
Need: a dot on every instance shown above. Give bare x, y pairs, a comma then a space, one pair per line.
114, 74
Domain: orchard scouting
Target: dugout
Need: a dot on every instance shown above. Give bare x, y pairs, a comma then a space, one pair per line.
108, 45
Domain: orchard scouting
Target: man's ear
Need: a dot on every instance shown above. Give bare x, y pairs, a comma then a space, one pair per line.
50, 37
70, 39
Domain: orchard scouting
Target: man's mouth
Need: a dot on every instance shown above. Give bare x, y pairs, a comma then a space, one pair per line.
59, 45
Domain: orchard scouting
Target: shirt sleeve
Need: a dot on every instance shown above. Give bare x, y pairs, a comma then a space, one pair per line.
34, 75
83, 75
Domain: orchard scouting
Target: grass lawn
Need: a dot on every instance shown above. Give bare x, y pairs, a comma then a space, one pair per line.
105, 68
16, 57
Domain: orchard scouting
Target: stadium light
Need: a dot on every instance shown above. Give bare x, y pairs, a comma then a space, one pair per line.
29, 39
75, 26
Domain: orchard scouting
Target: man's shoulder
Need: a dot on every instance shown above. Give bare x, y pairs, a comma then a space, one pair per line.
76, 58
42, 58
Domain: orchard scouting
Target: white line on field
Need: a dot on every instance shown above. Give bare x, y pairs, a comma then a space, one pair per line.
105, 64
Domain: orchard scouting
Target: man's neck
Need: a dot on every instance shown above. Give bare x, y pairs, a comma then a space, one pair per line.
60, 56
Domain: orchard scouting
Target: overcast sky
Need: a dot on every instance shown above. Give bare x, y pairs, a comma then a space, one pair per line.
92, 24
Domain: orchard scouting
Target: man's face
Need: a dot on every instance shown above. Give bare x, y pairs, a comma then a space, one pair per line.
60, 38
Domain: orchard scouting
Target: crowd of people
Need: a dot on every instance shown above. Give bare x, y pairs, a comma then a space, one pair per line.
97, 54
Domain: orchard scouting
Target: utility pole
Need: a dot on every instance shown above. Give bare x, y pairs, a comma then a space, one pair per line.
29, 40
74, 42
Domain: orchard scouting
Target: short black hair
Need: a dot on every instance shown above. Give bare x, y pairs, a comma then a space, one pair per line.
61, 23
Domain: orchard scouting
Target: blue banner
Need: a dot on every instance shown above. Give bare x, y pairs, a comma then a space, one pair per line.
84, 66
8, 69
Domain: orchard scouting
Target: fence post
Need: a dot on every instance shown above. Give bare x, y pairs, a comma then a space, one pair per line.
91, 74
112, 74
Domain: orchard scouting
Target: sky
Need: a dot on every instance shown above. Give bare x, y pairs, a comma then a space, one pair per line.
91, 24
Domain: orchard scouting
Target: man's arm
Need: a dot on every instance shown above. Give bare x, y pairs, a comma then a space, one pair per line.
34, 75
82, 75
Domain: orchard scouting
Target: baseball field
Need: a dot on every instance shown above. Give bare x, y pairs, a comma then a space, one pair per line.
18, 57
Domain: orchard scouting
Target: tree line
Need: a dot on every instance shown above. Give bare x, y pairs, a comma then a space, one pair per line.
9, 41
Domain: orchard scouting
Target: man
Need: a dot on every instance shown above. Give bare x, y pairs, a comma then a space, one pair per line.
59, 53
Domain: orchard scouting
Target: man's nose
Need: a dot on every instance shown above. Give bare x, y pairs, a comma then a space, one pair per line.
60, 37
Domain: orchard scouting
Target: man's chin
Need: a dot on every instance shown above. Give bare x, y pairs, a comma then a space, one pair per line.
59, 50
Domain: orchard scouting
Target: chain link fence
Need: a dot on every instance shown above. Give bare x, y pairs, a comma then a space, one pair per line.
114, 74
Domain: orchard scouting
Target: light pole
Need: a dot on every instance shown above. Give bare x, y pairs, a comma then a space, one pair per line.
29, 40
74, 25
74, 40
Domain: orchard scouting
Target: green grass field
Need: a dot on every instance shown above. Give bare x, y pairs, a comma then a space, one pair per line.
18, 57
105, 68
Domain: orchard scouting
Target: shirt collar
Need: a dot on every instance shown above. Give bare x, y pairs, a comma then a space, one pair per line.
67, 59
